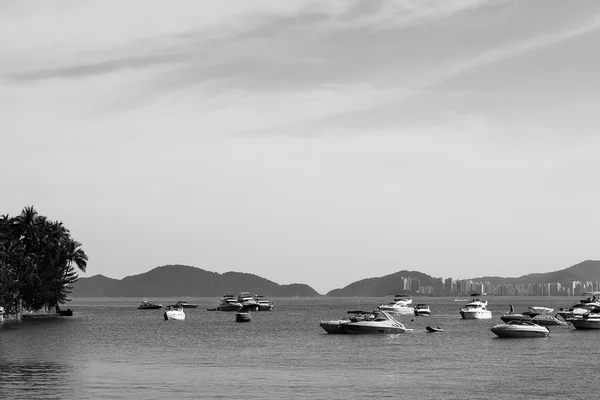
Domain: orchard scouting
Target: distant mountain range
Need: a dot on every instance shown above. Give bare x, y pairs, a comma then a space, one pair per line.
182, 280
389, 285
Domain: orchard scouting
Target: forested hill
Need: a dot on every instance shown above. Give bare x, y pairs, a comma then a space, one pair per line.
585, 271
182, 280
388, 285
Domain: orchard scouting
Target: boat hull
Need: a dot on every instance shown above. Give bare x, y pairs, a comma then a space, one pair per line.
333, 327
585, 323
174, 316
479, 314
371, 329
519, 333
229, 307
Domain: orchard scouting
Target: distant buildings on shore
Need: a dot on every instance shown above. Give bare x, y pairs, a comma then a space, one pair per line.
454, 287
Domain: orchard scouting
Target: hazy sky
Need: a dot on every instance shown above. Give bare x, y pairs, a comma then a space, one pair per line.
307, 142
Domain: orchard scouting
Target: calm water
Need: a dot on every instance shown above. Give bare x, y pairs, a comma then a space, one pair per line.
111, 350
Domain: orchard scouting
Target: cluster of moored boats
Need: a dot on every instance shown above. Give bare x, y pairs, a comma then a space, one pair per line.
242, 304
531, 323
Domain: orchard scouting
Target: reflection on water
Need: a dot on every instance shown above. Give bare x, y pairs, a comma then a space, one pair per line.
34, 380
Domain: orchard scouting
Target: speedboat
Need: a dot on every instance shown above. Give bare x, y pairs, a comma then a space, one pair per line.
400, 305
263, 303
334, 326
538, 315
475, 309
185, 304
520, 329
381, 322
422, 310
174, 313
229, 303
147, 305
588, 302
247, 301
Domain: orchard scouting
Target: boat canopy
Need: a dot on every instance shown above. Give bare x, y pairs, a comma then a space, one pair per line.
541, 310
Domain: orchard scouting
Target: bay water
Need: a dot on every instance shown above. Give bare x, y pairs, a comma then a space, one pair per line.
109, 349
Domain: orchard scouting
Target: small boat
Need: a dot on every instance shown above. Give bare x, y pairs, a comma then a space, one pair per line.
334, 326
520, 329
147, 305
422, 310
475, 309
229, 303
185, 304
380, 322
263, 303
242, 316
400, 305
538, 315
175, 313
63, 313
431, 329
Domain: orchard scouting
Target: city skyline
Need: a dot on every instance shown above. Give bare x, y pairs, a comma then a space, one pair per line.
307, 141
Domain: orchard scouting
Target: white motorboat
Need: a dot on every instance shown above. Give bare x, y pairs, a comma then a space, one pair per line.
247, 301
589, 320
174, 313
400, 305
538, 315
229, 303
263, 303
588, 302
475, 309
520, 329
422, 310
380, 322
334, 326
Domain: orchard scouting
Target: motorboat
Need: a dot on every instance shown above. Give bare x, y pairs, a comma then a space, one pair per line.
539, 315
263, 303
243, 316
229, 302
589, 320
380, 322
400, 305
174, 313
334, 326
63, 313
247, 301
148, 305
185, 304
588, 302
520, 329
476, 308
422, 310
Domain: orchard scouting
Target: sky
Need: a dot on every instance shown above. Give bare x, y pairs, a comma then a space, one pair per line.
316, 142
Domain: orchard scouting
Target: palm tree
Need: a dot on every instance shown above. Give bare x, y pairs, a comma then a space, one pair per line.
37, 261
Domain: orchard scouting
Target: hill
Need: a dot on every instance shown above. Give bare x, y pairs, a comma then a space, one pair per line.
387, 285
588, 270
182, 280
